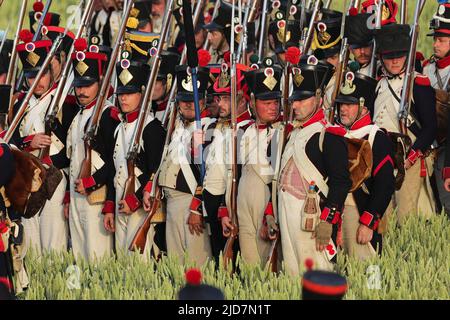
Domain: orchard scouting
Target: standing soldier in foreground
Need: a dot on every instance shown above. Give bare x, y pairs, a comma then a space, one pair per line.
365, 206
124, 215
256, 154
314, 178
89, 237
393, 44
180, 176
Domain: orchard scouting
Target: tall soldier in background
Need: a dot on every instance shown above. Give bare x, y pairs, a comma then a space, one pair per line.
219, 32
106, 21
437, 69
393, 44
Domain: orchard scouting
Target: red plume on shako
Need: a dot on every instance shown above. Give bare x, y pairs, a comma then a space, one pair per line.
293, 55
80, 44
26, 36
38, 6
204, 57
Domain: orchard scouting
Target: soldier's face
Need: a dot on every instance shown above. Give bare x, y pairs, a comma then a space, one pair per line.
87, 94
129, 102
43, 84
187, 108
304, 108
158, 90
215, 37
363, 55
267, 110
334, 60
348, 113
224, 103
396, 65
158, 7
441, 46
200, 38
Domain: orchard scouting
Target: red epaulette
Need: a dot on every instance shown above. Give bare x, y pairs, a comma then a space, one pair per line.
419, 56
422, 80
336, 130
425, 63
21, 95
114, 113
70, 99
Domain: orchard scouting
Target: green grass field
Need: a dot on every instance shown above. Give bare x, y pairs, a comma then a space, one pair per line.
415, 265
9, 12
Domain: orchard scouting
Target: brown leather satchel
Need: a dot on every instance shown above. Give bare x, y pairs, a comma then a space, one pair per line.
401, 144
442, 109
360, 161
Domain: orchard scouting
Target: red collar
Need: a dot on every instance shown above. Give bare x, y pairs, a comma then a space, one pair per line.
443, 63
161, 106
131, 116
318, 116
263, 126
90, 105
205, 114
244, 116
362, 122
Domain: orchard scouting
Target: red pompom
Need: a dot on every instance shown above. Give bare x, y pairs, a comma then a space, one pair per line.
80, 44
227, 57
204, 57
419, 56
309, 263
38, 6
25, 35
293, 55
353, 11
194, 277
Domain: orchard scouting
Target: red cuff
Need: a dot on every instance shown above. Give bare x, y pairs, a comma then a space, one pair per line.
222, 212
148, 186
66, 199
26, 143
446, 173
108, 207
132, 202
47, 160
88, 182
369, 220
195, 204
330, 215
414, 155
269, 209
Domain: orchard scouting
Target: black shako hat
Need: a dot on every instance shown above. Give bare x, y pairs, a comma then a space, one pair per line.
327, 36
393, 40
309, 76
132, 75
87, 66
357, 88
357, 32
185, 88
265, 81
323, 285
282, 29
195, 290
440, 24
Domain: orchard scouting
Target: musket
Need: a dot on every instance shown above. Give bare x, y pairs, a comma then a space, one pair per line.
373, 60
408, 81
139, 239
328, 4
340, 69
13, 61
262, 30
233, 233
5, 35
54, 105
243, 44
36, 36
310, 33
404, 12
88, 138
24, 105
